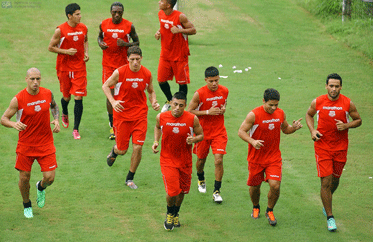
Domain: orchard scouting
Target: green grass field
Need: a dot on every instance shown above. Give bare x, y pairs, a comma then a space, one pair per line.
89, 201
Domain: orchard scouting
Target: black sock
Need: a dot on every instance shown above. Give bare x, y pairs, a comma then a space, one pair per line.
256, 206
64, 105
201, 176
27, 205
166, 89
110, 119
170, 209
183, 88
113, 154
78, 111
40, 188
327, 218
217, 185
130, 175
176, 210
269, 209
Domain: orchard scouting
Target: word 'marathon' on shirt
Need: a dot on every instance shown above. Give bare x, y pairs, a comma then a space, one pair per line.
75, 33
36, 102
214, 98
176, 124
115, 30
332, 108
271, 121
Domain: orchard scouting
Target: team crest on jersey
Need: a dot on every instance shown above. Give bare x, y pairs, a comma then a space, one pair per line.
135, 85
215, 103
37, 108
176, 130
271, 126
332, 113
167, 26
115, 35
76, 38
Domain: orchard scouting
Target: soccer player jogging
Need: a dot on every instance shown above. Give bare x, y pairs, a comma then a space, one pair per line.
70, 42
114, 40
209, 104
331, 138
173, 32
264, 125
179, 130
35, 141
130, 108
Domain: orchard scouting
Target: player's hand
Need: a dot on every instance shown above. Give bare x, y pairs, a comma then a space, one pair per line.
222, 109
121, 42
103, 45
214, 111
189, 140
257, 144
20, 126
56, 128
316, 135
117, 106
175, 30
155, 146
340, 125
71, 51
157, 35
156, 106
86, 58
296, 124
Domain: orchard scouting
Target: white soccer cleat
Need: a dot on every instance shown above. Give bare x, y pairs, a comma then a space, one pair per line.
216, 197
202, 186
166, 107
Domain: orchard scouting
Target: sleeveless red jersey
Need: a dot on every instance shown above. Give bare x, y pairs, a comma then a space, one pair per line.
327, 112
115, 56
213, 125
33, 110
131, 88
174, 47
175, 152
266, 127
72, 38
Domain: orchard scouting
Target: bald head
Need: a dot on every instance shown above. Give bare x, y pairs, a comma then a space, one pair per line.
32, 70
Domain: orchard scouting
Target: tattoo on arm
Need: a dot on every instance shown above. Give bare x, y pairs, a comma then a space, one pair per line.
54, 109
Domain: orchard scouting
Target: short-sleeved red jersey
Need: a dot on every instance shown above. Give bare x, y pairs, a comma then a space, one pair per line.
131, 88
213, 125
72, 38
33, 110
267, 127
175, 152
327, 112
174, 47
115, 56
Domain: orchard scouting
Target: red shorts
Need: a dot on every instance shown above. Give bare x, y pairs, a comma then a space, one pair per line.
330, 162
168, 69
107, 71
272, 171
176, 180
218, 146
47, 163
73, 83
125, 129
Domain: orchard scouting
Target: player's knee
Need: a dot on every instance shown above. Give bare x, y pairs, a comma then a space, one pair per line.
121, 152
219, 161
24, 177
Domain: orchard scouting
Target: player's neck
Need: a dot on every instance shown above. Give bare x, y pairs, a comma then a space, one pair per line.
32, 92
333, 99
72, 24
168, 11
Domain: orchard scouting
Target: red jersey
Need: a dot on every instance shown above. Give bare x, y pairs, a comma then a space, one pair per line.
33, 110
267, 127
213, 125
174, 47
175, 151
131, 88
115, 56
72, 38
327, 112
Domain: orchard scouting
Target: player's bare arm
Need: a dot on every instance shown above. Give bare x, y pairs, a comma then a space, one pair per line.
197, 130
289, 129
9, 113
53, 44
246, 125
134, 37
56, 114
86, 48
315, 134
100, 39
356, 119
111, 81
188, 29
152, 96
157, 135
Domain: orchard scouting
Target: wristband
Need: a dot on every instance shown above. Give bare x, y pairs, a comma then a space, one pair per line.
155, 142
207, 112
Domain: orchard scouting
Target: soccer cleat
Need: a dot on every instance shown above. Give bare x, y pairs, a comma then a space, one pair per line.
28, 212
40, 196
202, 186
323, 211
331, 225
110, 158
166, 107
112, 135
271, 218
76, 134
65, 121
255, 213
169, 222
216, 197
176, 221
131, 184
